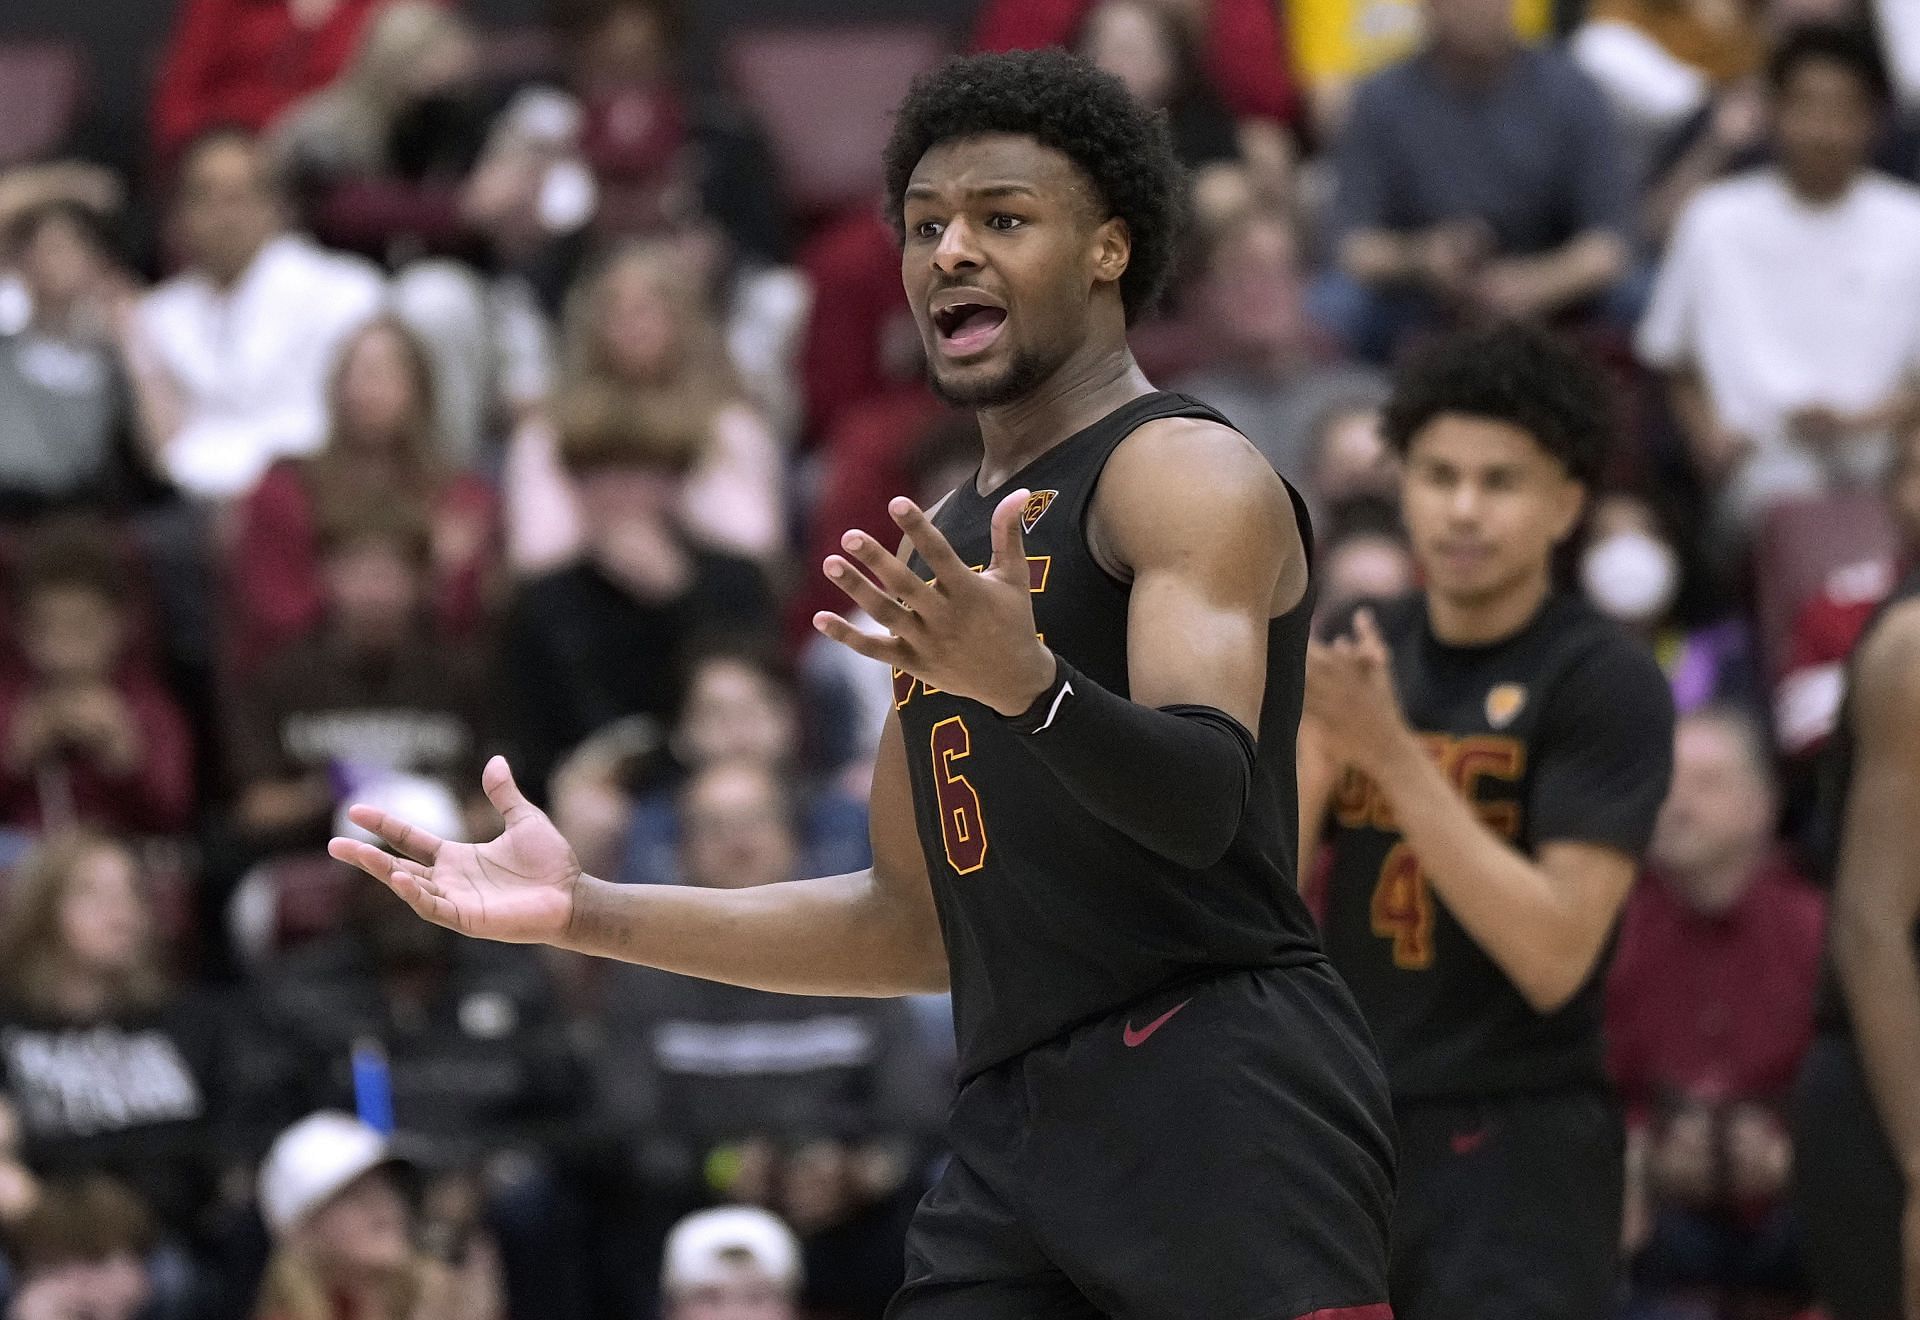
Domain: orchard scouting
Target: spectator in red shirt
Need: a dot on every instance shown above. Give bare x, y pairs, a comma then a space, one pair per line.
1709, 1009
1806, 700
241, 62
383, 447
860, 340
88, 735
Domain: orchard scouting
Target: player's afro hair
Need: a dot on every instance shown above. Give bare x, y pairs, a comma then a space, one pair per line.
1511, 373
1067, 104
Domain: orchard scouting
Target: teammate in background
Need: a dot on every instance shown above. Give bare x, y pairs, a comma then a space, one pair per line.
1485, 759
1091, 837
1858, 1108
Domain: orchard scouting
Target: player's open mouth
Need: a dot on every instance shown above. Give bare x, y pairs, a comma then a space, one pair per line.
966, 328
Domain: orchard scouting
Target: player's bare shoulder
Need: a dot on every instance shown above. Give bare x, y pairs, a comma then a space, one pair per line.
1191, 486
1887, 673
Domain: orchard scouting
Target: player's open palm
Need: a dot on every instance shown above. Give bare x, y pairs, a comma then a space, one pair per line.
969, 632
519, 888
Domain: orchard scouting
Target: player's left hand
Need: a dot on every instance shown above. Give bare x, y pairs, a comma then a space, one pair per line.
1350, 695
968, 633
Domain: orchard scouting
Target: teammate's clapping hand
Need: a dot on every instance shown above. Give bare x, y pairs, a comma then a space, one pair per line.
520, 888
1350, 695
964, 632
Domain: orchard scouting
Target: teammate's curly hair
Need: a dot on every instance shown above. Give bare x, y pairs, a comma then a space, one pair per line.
1511, 373
1065, 103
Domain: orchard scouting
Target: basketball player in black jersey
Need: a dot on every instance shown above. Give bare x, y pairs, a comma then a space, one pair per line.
1485, 760
1084, 814
1857, 1120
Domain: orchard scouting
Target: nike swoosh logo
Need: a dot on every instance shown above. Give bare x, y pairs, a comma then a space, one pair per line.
1135, 1039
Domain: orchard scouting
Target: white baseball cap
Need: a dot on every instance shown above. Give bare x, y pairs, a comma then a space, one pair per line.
710, 1248
314, 1161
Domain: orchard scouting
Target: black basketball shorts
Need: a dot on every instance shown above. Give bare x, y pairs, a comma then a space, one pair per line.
1509, 1208
1219, 1151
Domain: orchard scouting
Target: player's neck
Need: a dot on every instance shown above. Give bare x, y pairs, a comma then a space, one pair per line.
1483, 620
1083, 390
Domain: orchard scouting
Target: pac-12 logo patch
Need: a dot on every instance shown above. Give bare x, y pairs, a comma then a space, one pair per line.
1504, 702
1037, 505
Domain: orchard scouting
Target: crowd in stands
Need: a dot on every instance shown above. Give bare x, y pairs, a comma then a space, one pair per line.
429, 395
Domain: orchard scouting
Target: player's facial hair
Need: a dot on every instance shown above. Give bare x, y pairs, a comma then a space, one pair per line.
1022, 376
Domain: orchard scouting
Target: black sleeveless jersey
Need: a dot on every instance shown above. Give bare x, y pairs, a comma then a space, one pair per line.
1836, 779
1051, 917
1563, 731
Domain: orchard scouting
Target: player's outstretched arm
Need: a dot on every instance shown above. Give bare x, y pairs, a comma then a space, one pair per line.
873, 932
1877, 897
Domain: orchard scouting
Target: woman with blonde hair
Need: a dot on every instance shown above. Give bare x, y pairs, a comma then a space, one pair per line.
344, 1235
382, 446
108, 1069
411, 49
641, 337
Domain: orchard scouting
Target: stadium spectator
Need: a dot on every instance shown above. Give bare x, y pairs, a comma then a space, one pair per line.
66, 409
1147, 46
242, 62
383, 162
599, 640
860, 344
1633, 570
1243, 52
731, 1263
476, 1070
640, 339
1786, 314
1479, 177
404, 109
108, 1067
1348, 458
343, 1235
1274, 372
1659, 61
1730, 133
88, 734
1709, 1010
666, 158
369, 690
737, 704
1337, 43
1806, 700
231, 356
382, 446
703, 1073
1363, 555
82, 1253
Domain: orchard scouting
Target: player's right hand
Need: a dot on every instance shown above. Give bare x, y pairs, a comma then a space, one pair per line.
520, 888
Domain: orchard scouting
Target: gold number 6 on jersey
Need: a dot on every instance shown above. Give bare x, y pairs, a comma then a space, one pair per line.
962, 828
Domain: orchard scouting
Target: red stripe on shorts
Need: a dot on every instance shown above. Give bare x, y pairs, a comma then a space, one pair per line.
1378, 1311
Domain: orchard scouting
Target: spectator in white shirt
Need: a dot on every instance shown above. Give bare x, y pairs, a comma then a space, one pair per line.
1787, 312
232, 355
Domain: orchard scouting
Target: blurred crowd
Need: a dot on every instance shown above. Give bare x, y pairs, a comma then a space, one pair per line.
433, 390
